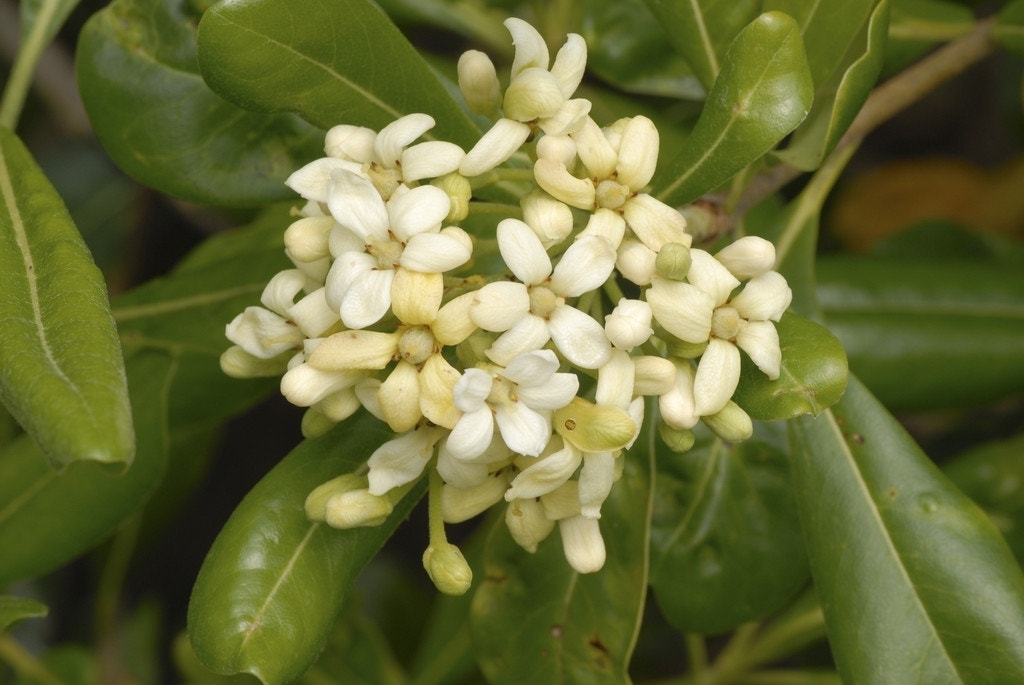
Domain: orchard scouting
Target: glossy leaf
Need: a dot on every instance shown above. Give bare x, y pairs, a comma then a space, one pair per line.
342, 62
162, 124
535, 620
273, 583
61, 372
763, 92
1009, 27
916, 331
845, 49
726, 546
13, 609
702, 30
49, 518
888, 537
813, 374
992, 475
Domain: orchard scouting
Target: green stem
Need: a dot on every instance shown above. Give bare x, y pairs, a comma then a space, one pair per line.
730, 662
435, 522
24, 663
112, 578
697, 652
20, 78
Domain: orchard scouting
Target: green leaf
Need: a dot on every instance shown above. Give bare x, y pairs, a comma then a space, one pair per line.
938, 323
13, 609
42, 19
845, 49
49, 518
332, 63
357, 653
916, 584
162, 124
916, 25
763, 92
535, 620
726, 546
61, 372
273, 583
701, 30
1009, 27
992, 475
813, 374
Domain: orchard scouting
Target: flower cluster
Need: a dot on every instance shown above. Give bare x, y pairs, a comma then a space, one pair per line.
524, 386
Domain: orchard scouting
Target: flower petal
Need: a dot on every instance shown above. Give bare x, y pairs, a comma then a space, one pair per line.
528, 334
472, 389
418, 210
684, 310
523, 252
747, 257
586, 265
582, 543
594, 150
764, 298
472, 434
347, 268
500, 305
357, 205
435, 252
524, 430
545, 474
437, 391
399, 397
368, 298
430, 159
313, 180
570, 63
638, 153
579, 337
708, 274
262, 333
350, 350
531, 50
654, 222
677, 406
401, 460
760, 341
387, 147
596, 479
494, 147
532, 368
556, 180
718, 374
354, 143
304, 386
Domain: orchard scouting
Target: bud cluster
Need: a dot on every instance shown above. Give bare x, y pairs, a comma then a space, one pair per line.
521, 386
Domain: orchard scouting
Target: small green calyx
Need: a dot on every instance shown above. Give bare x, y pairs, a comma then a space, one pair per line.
594, 427
673, 261
447, 568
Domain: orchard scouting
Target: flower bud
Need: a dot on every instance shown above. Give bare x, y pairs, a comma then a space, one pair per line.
731, 423
353, 143
629, 324
653, 375
678, 440
356, 508
533, 94
316, 501
747, 257
673, 261
315, 423
549, 218
306, 240
582, 543
447, 568
527, 523
462, 504
562, 149
636, 261
479, 84
459, 191
238, 363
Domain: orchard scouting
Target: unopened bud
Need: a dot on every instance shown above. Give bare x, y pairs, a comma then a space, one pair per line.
238, 363
357, 508
731, 423
528, 523
629, 324
676, 439
316, 501
316, 423
673, 261
479, 84
459, 191
447, 568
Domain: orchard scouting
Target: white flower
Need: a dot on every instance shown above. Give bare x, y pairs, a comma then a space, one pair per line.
518, 398
582, 543
619, 162
405, 251
401, 460
629, 324
531, 312
536, 96
701, 311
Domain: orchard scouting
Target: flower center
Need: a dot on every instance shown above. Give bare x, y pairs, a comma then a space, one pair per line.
725, 323
387, 252
386, 181
543, 301
503, 392
612, 194
416, 345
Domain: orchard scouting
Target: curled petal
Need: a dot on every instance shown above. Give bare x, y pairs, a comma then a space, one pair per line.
684, 310
531, 50
594, 150
313, 315
343, 240
430, 159
312, 181
570, 63
554, 178
494, 147
654, 222
262, 333
304, 386
523, 252
532, 368
368, 298
459, 473
747, 257
453, 323
401, 460
579, 337
638, 153
718, 374
545, 474
586, 265
500, 305
279, 294
636, 261
550, 219
677, 406
524, 430
437, 391
461, 503
307, 239
533, 94
528, 523
436, 252
582, 543
567, 119
346, 269
607, 224
350, 350
472, 434
760, 341
478, 82
417, 211
596, 479
708, 274
471, 389
392, 138
354, 143
554, 394
764, 298
615, 381
399, 397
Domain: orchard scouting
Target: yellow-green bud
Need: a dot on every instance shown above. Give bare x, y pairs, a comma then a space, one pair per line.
238, 363
594, 427
673, 261
316, 501
677, 440
731, 423
683, 349
447, 568
315, 423
357, 508
459, 191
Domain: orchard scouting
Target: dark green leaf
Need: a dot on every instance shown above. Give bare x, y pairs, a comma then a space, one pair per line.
916, 583
68, 664
701, 31
845, 49
330, 62
273, 583
812, 378
13, 609
1009, 28
726, 546
535, 620
357, 653
763, 92
61, 372
162, 124
993, 476
49, 518
917, 25
42, 19
915, 331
